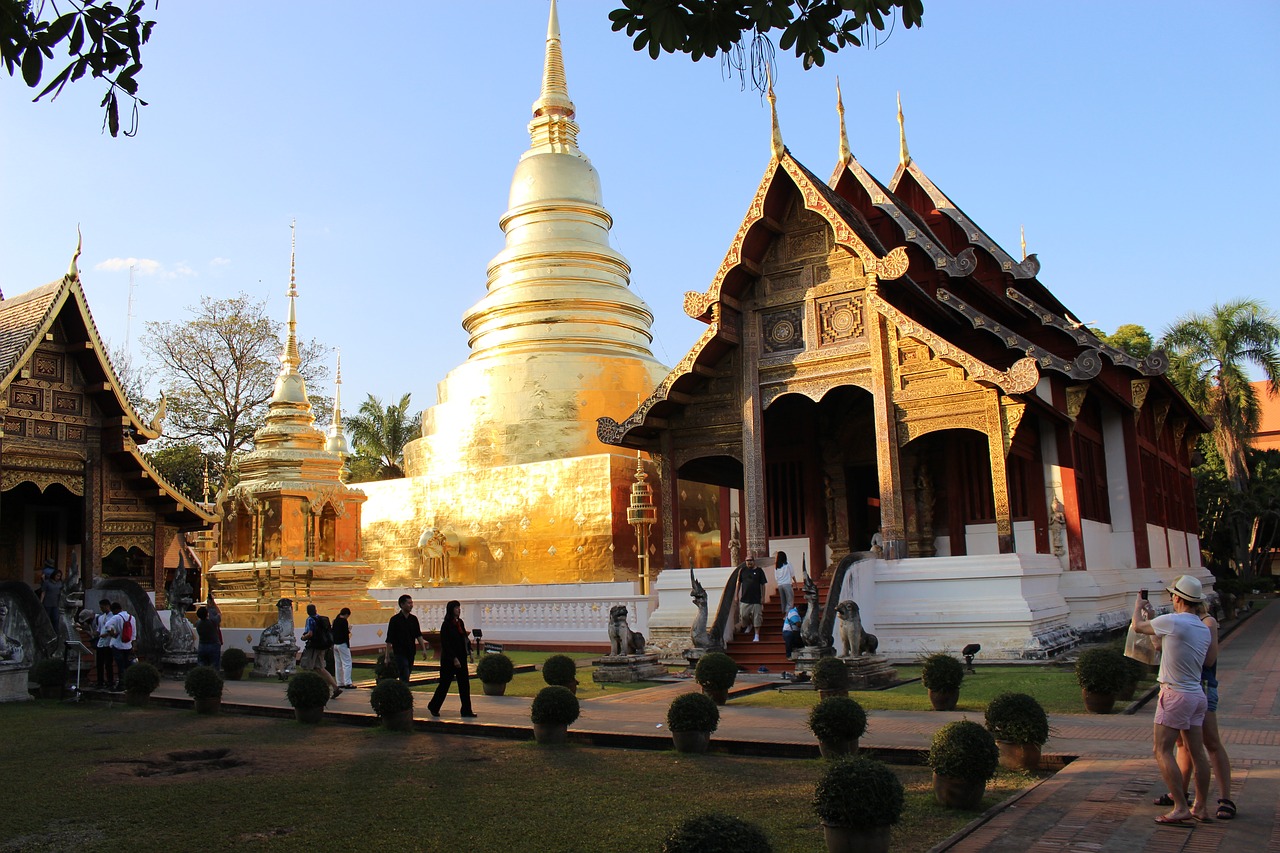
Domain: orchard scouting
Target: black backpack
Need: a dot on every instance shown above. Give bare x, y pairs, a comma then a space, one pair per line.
321, 634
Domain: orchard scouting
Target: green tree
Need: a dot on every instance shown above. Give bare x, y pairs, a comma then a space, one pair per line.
812, 28
218, 370
102, 39
183, 463
379, 434
1223, 511
1131, 338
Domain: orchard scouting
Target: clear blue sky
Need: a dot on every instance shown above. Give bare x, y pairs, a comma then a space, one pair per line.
1135, 141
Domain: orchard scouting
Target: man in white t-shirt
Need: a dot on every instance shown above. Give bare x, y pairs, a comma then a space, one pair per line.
121, 648
1184, 643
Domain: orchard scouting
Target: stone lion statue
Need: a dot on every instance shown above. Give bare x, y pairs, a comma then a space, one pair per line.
281, 633
856, 641
622, 640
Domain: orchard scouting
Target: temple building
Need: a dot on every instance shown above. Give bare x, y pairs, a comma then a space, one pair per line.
76, 491
877, 374
509, 484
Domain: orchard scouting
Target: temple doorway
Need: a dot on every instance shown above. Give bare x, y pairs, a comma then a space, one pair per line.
36, 526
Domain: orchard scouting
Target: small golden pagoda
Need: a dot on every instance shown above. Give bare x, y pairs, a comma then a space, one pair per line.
291, 528
509, 483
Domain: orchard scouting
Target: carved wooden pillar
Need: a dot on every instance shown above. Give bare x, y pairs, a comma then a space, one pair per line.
752, 441
94, 501
883, 342
669, 497
999, 473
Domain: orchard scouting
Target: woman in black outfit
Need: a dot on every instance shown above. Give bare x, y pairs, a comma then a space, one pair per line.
454, 650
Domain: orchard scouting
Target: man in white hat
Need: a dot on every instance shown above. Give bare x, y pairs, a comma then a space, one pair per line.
1184, 641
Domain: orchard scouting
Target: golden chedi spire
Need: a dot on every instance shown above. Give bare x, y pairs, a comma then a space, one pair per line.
559, 334
337, 440
775, 138
904, 156
845, 154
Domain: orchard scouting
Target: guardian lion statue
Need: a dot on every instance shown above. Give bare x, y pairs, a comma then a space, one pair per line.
281, 633
622, 640
856, 641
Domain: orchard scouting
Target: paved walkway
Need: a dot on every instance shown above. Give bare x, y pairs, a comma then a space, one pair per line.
1100, 802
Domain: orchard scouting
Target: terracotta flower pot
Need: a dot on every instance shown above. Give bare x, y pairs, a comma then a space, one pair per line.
716, 694
1019, 756
1098, 703
137, 700
208, 705
958, 793
691, 741
494, 688
944, 700
550, 735
856, 839
310, 716
837, 748
400, 721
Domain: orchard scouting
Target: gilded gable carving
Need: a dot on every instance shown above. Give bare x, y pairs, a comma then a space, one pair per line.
839, 320
47, 366
783, 331
27, 398
806, 244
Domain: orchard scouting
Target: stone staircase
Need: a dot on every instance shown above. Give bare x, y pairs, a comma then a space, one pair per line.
770, 652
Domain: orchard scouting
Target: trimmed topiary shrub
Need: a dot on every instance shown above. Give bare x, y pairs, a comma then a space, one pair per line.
1017, 718
391, 697
716, 833
964, 750
858, 792
554, 706
497, 669
202, 682
692, 712
51, 672
830, 674
307, 690
233, 663
384, 669
716, 671
941, 672
837, 718
1102, 670
141, 679
559, 670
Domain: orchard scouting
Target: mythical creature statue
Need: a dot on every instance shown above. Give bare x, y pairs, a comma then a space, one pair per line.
856, 641
11, 651
182, 636
810, 628
622, 640
281, 633
701, 639
1057, 523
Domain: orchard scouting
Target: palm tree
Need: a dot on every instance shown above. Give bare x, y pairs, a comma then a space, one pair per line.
1210, 354
379, 435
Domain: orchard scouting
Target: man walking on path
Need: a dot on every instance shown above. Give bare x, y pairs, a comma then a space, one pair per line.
342, 648
1186, 644
404, 635
751, 583
318, 635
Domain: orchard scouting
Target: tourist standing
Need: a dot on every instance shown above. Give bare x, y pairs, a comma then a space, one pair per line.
751, 584
51, 596
208, 636
317, 633
102, 654
404, 635
342, 648
791, 627
1186, 643
122, 628
785, 577
455, 652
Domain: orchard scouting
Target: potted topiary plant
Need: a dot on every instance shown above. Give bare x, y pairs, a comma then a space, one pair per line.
49, 675
1020, 727
715, 673
204, 685
392, 701
831, 677
495, 672
140, 681
1134, 672
713, 831
942, 674
384, 669
553, 709
691, 719
837, 722
561, 671
308, 694
234, 662
963, 756
858, 800
1101, 673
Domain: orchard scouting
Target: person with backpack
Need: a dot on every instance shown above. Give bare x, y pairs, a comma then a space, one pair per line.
317, 633
122, 628
342, 648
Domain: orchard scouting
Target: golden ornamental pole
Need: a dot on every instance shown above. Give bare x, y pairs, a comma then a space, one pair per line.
641, 514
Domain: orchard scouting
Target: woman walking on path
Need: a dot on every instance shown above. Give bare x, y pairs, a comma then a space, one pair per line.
455, 651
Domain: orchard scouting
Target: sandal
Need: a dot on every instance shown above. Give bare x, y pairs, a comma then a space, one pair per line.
1166, 800
1226, 810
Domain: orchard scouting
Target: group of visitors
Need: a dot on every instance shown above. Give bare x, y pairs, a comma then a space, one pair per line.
114, 629
404, 637
1186, 739
752, 583
320, 636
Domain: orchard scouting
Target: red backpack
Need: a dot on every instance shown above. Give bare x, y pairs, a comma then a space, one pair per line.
126, 633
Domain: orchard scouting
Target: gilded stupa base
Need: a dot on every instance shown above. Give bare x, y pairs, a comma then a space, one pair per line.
247, 592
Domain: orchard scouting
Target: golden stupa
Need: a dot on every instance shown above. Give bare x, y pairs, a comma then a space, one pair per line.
290, 528
508, 483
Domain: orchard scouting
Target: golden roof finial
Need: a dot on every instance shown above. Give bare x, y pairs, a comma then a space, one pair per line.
845, 154
337, 441
776, 141
553, 111
73, 270
904, 156
290, 358
1023, 229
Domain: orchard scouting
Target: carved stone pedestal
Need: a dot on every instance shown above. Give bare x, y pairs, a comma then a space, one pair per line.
269, 661
13, 684
177, 664
807, 657
627, 669
869, 671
